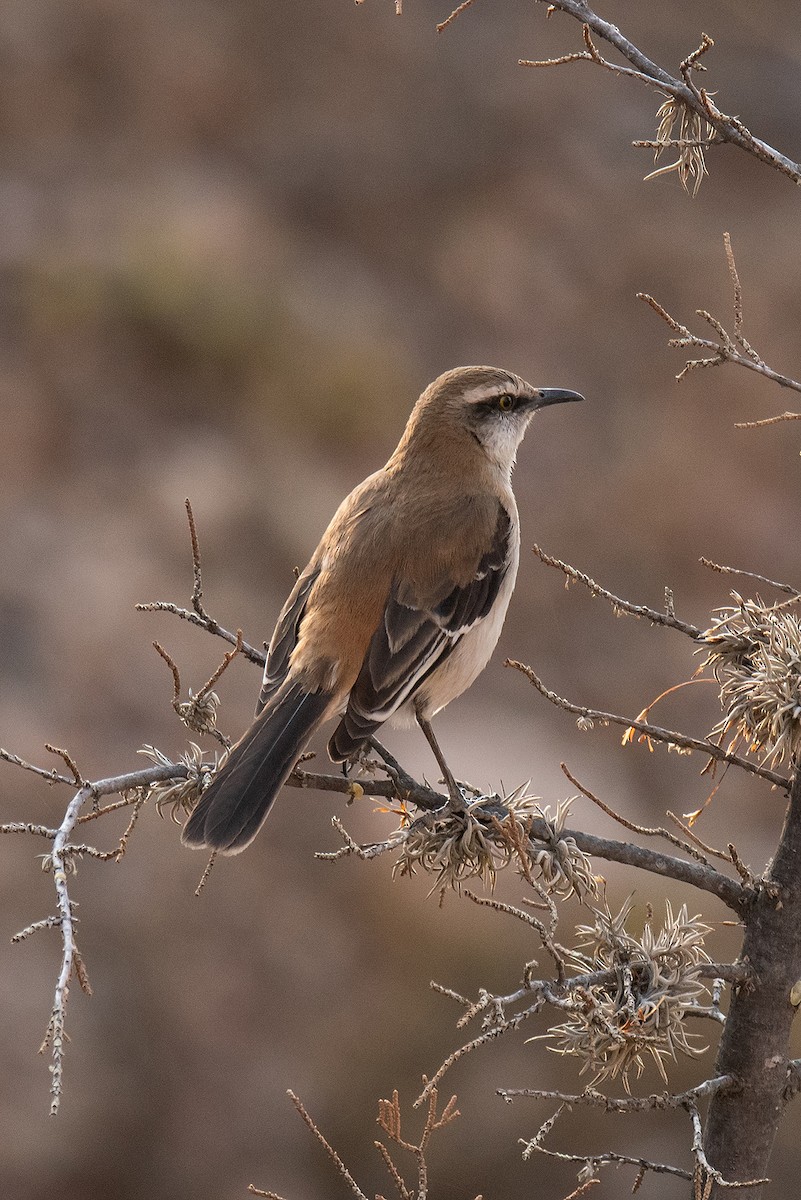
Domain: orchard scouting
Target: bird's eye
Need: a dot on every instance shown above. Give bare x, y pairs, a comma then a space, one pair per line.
506, 402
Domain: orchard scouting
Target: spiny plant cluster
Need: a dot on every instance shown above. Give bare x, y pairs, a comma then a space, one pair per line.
638, 1011
754, 652
490, 834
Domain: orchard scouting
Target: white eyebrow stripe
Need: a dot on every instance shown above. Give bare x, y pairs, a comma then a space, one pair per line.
488, 391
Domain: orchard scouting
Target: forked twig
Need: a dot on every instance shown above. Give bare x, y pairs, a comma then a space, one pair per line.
702, 123
619, 605
198, 615
733, 348
670, 736
643, 830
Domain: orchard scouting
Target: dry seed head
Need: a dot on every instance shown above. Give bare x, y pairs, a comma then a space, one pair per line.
693, 133
615, 1027
754, 652
563, 868
199, 713
485, 838
181, 795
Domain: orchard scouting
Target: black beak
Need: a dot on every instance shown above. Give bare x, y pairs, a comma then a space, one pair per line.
554, 396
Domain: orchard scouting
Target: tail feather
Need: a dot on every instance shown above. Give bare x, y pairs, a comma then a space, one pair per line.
230, 812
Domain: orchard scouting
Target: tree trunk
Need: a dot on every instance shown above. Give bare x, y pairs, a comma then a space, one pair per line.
741, 1125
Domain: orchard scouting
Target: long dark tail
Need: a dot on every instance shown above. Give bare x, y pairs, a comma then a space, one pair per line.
230, 812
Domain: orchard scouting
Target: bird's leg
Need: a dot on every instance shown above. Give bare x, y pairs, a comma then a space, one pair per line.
457, 803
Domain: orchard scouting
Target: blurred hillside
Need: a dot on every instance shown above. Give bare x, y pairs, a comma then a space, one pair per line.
236, 241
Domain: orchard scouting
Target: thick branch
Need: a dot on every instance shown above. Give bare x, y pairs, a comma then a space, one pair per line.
754, 1046
733, 894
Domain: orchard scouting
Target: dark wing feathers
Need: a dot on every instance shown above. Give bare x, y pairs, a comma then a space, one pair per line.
411, 641
285, 636
462, 607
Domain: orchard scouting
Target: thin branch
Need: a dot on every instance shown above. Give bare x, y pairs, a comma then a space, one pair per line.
643, 830
655, 1102
705, 1169
670, 736
727, 348
198, 615
60, 863
77, 778
785, 416
582, 1189
489, 1035
781, 587
51, 776
557, 952
250, 652
457, 12
416, 793
618, 605
329, 1149
364, 852
197, 586
591, 1162
683, 90
693, 837
45, 923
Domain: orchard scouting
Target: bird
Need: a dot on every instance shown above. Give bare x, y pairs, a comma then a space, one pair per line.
401, 604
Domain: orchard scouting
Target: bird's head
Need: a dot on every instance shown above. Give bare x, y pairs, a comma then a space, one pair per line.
492, 406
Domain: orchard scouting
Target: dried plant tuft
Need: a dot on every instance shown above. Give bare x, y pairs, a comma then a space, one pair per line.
199, 712
693, 136
564, 869
181, 795
616, 1026
754, 652
491, 833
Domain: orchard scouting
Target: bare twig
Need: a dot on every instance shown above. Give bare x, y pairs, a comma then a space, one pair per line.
643, 830
60, 862
77, 778
594, 1099
51, 776
389, 1118
198, 615
781, 587
457, 12
591, 1162
703, 1167
197, 587
250, 652
693, 837
329, 1149
683, 91
670, 736
727, 348
582, 1189
667, 618
785, 416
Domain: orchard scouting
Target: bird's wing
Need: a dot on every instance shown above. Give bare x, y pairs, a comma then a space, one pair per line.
413, 638
285, 636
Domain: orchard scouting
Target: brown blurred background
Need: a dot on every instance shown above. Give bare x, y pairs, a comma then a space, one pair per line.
236, 240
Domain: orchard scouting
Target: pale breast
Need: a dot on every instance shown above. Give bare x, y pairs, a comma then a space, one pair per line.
472, 653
